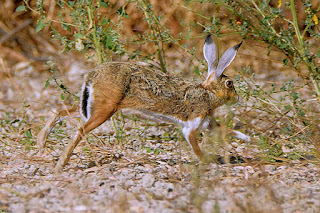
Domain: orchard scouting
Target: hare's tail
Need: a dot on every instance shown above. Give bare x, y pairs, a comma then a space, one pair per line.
86, 101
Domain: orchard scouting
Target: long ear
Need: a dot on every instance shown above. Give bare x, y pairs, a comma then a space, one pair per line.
226, 60
210, 54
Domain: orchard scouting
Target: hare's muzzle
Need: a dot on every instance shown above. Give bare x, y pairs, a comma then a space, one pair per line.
232, 97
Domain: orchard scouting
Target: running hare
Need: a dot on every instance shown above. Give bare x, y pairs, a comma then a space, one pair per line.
113, 86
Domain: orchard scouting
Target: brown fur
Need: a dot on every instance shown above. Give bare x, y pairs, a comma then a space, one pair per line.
139, 87
113, 86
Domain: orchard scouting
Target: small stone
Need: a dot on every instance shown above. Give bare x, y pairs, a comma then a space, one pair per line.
147, 180
269, 168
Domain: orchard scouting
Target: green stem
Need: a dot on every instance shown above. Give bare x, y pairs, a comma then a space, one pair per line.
316, 84
149, 17
302, 50
95, 38
296, 26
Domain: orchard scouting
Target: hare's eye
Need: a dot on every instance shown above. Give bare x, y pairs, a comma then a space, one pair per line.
229, 83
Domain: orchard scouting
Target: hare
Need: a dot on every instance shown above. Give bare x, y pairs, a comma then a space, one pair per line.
117, 85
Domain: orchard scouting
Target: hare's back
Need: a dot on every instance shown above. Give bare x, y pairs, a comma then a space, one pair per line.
137, 77
158, 92
140, 87
110, 73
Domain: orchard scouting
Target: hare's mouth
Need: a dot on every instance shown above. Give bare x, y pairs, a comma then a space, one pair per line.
232, 100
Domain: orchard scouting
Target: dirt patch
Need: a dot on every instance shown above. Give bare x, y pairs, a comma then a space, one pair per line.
155, 183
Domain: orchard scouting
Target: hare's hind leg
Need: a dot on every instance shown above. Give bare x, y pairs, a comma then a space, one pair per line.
98, 116
42, 135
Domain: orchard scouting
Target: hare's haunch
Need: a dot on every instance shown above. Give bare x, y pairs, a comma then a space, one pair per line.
113, 86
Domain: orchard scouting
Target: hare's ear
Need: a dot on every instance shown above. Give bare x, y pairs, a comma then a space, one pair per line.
226, 60
210, 54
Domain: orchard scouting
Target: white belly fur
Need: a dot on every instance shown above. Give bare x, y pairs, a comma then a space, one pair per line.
196, 123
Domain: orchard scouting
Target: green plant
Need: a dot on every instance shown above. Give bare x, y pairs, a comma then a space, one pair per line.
260, 21
59, 83
118, 125
81, 26
286, 119
282, 120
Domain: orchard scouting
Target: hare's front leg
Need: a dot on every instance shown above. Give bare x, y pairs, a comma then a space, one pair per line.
215, 127
189, 131
192, 140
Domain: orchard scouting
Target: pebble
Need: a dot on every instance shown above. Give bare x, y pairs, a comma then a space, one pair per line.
147, 180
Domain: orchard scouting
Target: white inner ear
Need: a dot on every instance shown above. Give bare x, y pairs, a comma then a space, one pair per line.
210, 54
226, 60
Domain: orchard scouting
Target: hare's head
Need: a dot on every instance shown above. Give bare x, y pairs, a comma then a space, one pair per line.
216, 82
